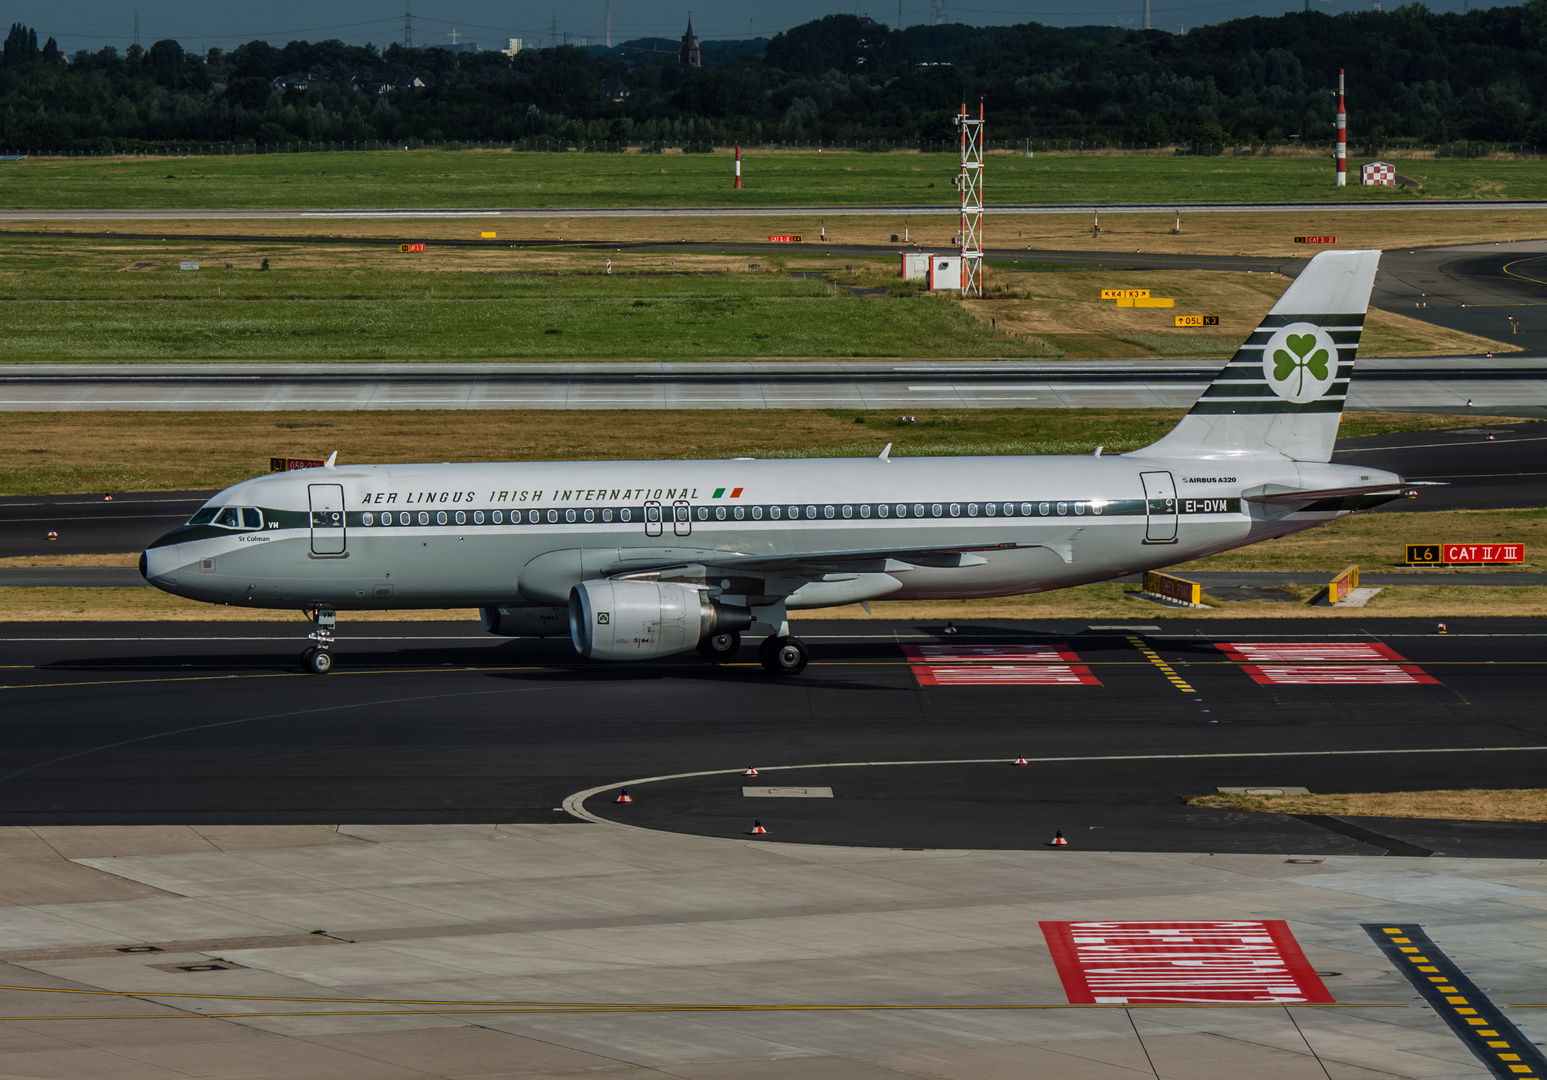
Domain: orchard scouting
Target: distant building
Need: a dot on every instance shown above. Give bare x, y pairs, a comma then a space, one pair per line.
513, 48
299, 81
376, 84
688, 52
614, 90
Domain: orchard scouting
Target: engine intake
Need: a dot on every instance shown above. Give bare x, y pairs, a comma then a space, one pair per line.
638, 620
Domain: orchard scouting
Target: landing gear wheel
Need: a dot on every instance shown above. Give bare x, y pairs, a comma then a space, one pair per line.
721, 647
316, 661
783, 656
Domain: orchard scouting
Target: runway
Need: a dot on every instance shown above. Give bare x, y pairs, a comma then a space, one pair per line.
1380, 383
170, 723
1492, 290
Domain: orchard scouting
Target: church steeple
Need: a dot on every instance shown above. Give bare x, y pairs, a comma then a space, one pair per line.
688, 52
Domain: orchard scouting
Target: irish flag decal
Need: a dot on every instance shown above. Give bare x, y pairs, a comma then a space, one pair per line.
719, 493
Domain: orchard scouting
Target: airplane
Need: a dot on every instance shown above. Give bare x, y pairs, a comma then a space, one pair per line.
640, 559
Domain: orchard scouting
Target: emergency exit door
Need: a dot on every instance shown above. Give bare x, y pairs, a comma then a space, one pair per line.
327, 505
1159, 507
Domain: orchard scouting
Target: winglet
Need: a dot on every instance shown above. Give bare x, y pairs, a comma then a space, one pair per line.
883, 455
331, 459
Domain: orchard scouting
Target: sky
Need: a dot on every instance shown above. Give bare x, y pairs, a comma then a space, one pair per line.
201, 24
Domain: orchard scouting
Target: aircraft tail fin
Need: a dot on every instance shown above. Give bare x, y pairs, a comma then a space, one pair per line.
1283, 391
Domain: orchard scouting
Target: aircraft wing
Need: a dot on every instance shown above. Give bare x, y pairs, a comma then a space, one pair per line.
817, 563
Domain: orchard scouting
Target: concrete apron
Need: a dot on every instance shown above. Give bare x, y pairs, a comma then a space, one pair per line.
595, 913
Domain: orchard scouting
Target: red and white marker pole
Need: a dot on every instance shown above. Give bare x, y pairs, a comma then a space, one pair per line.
738, 167
1342, 150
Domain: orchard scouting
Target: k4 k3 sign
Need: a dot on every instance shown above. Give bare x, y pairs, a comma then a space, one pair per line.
1194, 963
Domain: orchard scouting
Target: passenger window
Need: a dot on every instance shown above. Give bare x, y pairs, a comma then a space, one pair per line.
719, 512
864, 510
956, 509
740, 513
204, 516
229, 517
848, 511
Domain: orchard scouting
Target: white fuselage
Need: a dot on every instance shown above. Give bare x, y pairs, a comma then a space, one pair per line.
522, 534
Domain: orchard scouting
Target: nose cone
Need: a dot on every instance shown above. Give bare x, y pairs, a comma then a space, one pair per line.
159, 564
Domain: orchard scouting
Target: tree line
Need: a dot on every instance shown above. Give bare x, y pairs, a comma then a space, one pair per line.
1415, 77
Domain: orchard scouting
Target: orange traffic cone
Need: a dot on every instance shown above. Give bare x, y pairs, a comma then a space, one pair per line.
624, 797
749, 771
1058, 840
1022, 761
757, 829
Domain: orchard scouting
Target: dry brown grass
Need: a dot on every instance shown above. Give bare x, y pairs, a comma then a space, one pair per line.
130, 558
1246, 233
1510, 804
1377, 541
1067, 310
145, 604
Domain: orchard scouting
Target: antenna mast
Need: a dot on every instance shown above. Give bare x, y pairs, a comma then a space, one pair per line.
971, 185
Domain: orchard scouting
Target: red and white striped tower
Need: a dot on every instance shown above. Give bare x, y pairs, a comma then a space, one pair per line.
1342, 151
738, 166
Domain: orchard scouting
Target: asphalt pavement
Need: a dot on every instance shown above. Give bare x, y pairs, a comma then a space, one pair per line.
423, 723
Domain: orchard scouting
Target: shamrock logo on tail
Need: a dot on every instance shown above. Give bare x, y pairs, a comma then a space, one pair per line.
1285, 364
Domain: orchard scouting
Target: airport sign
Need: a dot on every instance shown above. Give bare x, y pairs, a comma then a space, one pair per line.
1316, 239
410, 247
1197, 320
1124, 294
290, 464
786, 238
1461, 554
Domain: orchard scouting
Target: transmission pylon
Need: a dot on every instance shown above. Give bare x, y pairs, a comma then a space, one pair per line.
971, 185
408, 27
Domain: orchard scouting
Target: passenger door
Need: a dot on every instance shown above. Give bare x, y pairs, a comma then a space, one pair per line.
1159, 507
327, 505
682, 518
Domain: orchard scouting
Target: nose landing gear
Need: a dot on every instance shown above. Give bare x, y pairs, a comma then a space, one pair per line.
316, 660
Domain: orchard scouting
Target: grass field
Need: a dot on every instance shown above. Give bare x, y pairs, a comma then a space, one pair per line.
778, 178
104, 299
64, 452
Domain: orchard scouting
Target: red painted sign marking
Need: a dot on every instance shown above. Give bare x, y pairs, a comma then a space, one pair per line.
1323, 662
997, 665
1484, 553
1155, 963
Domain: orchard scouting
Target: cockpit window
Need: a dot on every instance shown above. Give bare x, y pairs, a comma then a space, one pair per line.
230, 517
251, 519
204, 516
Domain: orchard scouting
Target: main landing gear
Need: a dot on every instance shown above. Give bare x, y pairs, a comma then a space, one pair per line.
719, 648
783, 655
317, 660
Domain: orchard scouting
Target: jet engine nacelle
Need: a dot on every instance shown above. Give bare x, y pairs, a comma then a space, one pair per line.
526, 622
637, 620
